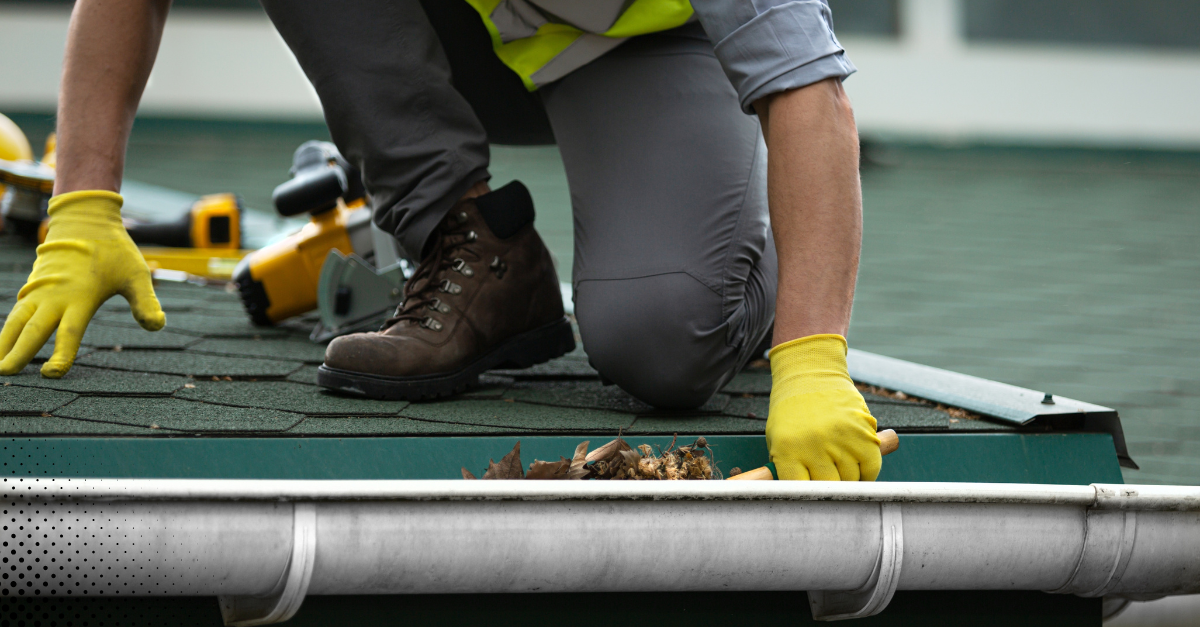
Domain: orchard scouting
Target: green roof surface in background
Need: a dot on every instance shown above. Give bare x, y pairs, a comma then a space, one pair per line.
1068, 270
211, 372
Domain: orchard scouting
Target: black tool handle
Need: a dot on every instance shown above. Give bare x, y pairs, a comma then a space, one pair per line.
313, 191
177, 234
320, 176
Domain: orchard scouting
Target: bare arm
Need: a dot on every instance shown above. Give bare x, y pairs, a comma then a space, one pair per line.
815, 200
111, 47
88, 256
818, 425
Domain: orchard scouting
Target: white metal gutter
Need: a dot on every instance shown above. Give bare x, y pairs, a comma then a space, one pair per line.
263, 545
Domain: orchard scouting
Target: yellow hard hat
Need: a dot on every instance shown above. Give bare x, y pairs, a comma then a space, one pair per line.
50, 153
13, 145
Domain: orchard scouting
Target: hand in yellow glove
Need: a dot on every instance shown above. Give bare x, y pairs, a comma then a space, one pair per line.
86, 259
818, 426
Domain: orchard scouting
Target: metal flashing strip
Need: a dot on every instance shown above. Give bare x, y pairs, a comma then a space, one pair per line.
1000, 401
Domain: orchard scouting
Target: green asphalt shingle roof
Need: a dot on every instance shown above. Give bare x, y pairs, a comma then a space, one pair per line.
211, 372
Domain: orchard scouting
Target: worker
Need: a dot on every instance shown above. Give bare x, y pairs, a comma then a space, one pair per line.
691, 246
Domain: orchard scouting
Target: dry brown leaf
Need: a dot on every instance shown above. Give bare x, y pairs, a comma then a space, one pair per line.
549, 470
467, 474
609, 451
509, 466
579, 469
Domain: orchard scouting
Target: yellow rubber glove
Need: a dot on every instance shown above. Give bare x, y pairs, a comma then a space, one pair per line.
87, 258
818, 425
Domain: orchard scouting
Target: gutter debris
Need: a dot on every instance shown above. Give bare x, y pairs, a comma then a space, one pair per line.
615, 461
957, 413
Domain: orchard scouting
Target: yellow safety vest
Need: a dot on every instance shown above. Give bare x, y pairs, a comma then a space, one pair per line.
544, 40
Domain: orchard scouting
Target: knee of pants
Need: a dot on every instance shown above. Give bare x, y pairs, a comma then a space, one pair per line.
660, 338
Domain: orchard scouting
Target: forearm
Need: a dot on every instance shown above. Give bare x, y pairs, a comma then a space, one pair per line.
815, 200
111, 45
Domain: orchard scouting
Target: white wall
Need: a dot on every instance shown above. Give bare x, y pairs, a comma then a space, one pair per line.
931, 83
928, 84
211, 64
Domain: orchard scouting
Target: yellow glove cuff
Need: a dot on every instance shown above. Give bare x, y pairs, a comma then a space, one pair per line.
816, 363
90, 214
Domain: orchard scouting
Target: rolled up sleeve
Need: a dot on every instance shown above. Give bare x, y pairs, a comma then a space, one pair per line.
769, 46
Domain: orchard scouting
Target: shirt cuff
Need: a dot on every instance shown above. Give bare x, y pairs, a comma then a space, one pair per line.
785, 47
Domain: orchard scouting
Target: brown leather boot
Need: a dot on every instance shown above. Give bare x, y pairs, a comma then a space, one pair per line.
485, 296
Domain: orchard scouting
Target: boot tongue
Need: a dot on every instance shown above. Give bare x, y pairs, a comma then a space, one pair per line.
506, 210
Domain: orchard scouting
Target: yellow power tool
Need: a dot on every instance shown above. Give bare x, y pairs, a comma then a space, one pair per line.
212, 222
281, 280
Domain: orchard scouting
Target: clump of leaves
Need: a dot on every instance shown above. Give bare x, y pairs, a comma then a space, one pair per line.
614, 461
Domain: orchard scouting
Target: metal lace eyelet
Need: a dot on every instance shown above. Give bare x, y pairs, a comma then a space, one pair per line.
450, 288
499, 267
472, 236
462, 216
438, 305
462, 267
430, 323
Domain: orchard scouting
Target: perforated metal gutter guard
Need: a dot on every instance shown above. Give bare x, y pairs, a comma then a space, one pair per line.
263, 545
999, 401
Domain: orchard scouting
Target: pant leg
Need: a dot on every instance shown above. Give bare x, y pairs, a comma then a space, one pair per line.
509, 113
675, 268
384, 82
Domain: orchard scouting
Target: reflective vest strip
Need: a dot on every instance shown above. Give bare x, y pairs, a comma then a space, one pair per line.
529, 56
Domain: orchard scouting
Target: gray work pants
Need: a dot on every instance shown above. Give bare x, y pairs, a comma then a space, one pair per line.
675, 266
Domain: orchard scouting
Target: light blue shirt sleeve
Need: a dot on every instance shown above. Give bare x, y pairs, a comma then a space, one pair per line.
769, 46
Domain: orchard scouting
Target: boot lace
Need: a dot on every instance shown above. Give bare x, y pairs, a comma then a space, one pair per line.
451, 251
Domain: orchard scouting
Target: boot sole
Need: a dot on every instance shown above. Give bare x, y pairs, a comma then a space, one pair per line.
523, 351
